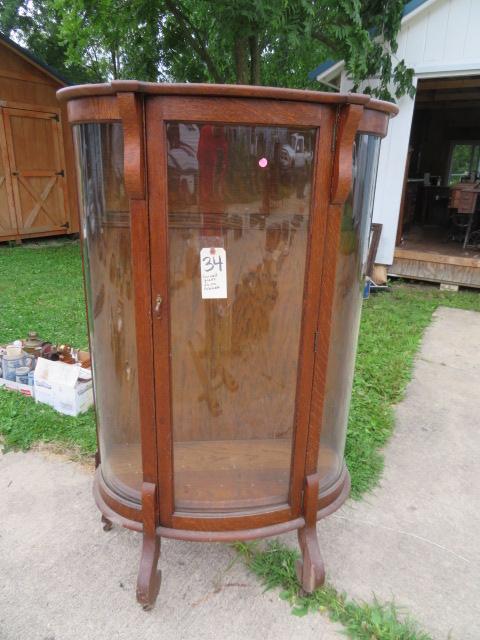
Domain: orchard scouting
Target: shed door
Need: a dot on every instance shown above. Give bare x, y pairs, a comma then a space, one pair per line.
8, 225
37, 170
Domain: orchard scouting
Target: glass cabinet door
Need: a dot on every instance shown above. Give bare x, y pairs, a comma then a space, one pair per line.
238, 224
347, 306
105, 219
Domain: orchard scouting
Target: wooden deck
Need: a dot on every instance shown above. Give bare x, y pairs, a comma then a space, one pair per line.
432, 265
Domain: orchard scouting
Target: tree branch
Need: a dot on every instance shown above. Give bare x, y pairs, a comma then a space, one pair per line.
253, 42
321, 37
195, 39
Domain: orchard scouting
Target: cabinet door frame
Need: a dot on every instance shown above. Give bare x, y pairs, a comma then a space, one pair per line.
25, 228
261, 112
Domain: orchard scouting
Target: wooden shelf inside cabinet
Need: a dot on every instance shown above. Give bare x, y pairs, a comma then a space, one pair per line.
223, 475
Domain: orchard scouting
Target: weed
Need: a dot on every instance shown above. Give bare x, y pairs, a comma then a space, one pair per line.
274, 564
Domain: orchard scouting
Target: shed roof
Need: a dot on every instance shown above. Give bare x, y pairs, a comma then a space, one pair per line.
38, 62
323, 68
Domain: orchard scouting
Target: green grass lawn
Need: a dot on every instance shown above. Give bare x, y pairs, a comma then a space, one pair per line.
41, 289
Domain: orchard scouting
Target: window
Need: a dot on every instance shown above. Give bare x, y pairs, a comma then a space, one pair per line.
464, 161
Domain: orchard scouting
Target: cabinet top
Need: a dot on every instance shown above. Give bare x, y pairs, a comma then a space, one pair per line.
224, 90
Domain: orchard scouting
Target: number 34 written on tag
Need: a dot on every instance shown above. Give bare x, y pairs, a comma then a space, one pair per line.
213, 272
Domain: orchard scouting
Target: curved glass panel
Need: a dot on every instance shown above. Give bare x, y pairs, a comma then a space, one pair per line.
105, 223
239, 207
347, 305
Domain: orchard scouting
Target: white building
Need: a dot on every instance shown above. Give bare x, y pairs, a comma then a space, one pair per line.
433, 141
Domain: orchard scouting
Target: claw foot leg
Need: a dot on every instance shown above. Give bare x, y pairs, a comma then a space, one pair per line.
310, 569
149, 578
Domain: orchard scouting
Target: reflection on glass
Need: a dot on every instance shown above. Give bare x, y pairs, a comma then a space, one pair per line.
105, 220
347, 304
245, 190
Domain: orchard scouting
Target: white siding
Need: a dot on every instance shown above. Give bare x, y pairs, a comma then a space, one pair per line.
446, 33
435, 35
415, 38
457, 29
391, 167
440, 39
471, 51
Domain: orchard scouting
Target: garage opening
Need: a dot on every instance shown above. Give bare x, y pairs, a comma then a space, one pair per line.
438, 236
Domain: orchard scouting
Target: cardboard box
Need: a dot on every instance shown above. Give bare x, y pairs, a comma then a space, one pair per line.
25, 389
43, 385
60, 385
72, 401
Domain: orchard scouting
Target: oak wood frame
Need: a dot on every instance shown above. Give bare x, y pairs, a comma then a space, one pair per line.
231, 110
337, 119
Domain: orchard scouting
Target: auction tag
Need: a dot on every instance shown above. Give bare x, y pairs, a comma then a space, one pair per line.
213, 272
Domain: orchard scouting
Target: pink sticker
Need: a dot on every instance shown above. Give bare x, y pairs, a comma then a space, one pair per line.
263, 162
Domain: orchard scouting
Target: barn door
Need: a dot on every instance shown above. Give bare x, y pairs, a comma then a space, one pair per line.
8, 225
37, 171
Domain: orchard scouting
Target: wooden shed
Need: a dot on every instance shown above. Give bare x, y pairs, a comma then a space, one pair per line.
36, 149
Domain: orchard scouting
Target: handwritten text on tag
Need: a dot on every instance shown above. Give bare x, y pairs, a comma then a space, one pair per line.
213, 272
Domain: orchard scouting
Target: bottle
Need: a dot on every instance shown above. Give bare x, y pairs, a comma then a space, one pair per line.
32, 344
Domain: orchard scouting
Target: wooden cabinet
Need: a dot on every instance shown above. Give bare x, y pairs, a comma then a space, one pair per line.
224, 244
463, 197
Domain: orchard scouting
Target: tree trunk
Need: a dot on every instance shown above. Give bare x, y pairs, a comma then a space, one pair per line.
241, 60
255, 60
114, 64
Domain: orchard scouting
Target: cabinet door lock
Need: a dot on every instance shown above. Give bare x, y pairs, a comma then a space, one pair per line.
158, 307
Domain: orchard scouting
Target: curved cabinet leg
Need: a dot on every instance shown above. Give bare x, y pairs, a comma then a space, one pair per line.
107, 524
310, 569
149, 578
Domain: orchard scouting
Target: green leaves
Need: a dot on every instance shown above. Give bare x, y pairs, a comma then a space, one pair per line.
300, 611
363, 34
273, 42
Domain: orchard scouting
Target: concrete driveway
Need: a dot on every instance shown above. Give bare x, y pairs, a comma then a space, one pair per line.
415, 539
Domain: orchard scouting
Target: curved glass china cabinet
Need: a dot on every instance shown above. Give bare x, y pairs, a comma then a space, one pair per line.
224, 232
